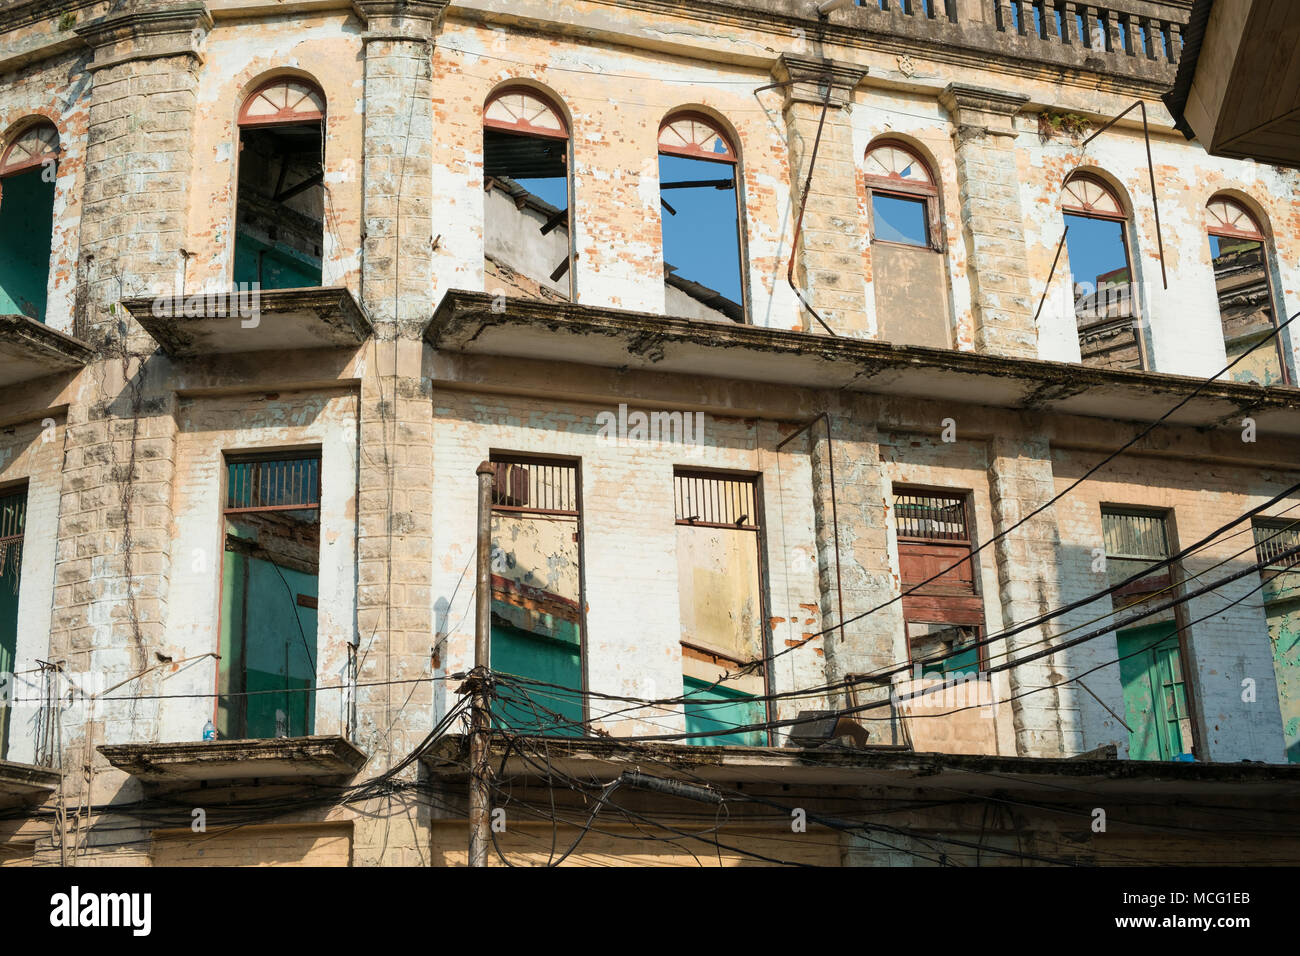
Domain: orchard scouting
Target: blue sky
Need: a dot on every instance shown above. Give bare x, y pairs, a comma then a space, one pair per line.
702, 240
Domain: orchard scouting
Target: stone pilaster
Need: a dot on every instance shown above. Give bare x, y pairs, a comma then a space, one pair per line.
992, 219
395, 502
829, 264
397, 264
1028, 562
864, 577
139, 155
113, 562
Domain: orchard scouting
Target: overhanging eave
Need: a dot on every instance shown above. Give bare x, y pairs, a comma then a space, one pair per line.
475, 323
280, 759
24, 783
31, 350
231, 322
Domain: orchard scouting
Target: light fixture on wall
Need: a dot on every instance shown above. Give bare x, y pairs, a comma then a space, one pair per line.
827, 7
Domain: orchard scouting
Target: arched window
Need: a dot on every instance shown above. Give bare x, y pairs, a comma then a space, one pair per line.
907, 267
28, 163
700, 196
527, 234
280, 209
1105, 297
1245, 292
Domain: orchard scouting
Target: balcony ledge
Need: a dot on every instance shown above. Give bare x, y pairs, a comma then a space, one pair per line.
31, 350
280, 759
1095, 773
466, 322
229, 322
24, 783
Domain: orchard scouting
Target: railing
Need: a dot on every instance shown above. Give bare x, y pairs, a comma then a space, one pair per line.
1110, 29
1143, 37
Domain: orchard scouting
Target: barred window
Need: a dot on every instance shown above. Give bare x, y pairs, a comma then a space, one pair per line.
13, 519
1135, 535
719, 501
1134, 541
933, 517
535, 486
273, 483
1273, 539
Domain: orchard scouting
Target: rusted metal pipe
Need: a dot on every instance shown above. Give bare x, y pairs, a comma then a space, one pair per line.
1151, 173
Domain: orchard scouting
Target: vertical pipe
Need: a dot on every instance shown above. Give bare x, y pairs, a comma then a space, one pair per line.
479, 798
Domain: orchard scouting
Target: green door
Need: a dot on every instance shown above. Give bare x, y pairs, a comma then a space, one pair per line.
1155, 699
713, 711
13, 518
1282, 604
551, 654
26, 225
269, 649
9, 562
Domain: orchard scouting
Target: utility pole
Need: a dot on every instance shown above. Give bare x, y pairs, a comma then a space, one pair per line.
479, 793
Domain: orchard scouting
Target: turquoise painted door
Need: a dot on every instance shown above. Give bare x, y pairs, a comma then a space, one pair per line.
8, 632
273, 266
553, 658
1155, 699
1282, 605
26, 226
13, 518
269, 642
713, 711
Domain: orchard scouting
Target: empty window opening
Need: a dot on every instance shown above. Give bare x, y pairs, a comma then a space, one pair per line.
1281, 594
1151, 659
280, 210
699, 195
945, 617
13, 520
27, 172
527, 227
720, 600
907, 268
537, 623
1245, 294
1105, 296
269, 594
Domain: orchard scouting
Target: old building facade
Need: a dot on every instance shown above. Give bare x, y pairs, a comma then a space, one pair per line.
801, 347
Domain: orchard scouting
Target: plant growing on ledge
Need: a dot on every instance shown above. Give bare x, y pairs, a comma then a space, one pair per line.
1052, 123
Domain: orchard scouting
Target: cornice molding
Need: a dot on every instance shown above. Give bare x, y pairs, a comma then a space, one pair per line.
806, 77
147, 34
407, 20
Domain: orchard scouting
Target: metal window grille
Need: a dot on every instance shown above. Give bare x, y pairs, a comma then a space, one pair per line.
536, 487
1274, 538
934, 517
13, 515
13, 519
716, 501
273, 484
1135, 535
